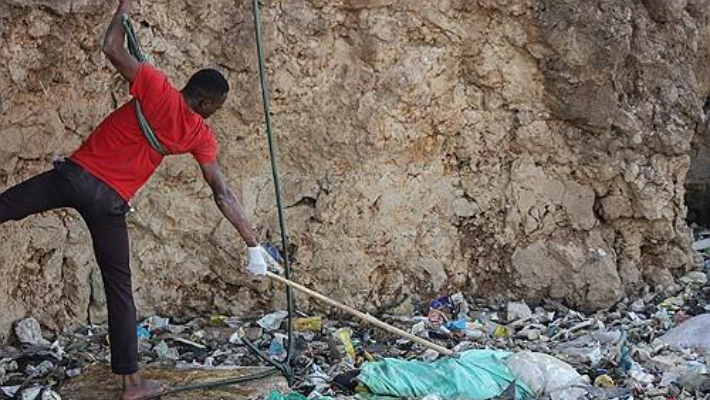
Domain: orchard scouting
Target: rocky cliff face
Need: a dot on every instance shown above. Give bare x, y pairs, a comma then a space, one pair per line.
534, 149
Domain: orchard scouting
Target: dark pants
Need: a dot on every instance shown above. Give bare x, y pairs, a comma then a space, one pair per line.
103, 210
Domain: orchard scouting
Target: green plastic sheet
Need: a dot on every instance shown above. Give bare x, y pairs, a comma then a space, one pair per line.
474, 375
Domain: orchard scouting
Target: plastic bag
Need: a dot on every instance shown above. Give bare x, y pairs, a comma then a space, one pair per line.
546, 375
690, 334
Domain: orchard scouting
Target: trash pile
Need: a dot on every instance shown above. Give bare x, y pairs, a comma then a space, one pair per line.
650, 348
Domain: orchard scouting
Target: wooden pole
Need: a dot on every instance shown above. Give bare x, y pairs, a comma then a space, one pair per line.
365, 317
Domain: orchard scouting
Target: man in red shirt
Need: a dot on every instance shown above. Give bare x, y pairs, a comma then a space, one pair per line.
117, 159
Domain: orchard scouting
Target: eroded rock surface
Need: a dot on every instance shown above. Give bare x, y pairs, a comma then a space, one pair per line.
529, 148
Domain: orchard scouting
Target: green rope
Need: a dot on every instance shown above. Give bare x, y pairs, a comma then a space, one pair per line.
275, 172
135, 49
212, 385
132, 40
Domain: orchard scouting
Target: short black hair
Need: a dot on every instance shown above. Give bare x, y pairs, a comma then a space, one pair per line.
207, 84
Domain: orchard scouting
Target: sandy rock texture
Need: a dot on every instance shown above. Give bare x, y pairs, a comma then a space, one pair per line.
534, 149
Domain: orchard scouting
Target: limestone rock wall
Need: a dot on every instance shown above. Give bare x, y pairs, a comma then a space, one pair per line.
532, 149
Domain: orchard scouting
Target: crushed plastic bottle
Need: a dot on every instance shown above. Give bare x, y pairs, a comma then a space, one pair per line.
277, 349
345, 337
458, 325
501, 332
271, 322
142, 332
604, 381
637, 373
420, 329
218, 320
313, 324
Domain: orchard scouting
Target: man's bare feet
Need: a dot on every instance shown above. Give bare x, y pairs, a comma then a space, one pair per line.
136, 388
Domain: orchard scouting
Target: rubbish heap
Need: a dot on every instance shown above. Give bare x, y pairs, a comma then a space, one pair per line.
653, 347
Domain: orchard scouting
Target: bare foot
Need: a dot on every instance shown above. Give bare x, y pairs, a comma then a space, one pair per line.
136, 388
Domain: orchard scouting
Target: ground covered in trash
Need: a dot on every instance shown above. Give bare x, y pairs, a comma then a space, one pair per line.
651, 348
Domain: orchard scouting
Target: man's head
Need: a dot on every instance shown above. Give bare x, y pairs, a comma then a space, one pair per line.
206, 92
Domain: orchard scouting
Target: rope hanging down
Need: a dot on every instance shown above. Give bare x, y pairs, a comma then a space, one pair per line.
135, 49
275, 172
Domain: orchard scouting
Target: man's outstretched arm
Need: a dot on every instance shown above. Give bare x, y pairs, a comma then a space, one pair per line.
228, 203
114, 44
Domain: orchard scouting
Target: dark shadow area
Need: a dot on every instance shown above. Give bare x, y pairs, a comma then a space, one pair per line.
697, 183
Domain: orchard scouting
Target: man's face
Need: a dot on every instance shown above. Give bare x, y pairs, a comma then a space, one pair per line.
208, 107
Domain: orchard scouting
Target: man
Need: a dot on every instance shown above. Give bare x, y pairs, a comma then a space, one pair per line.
117, 159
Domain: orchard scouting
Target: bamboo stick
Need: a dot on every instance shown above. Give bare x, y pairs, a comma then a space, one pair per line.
365, 317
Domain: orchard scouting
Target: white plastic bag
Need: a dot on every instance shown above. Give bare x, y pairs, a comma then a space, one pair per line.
691, 334
546, 375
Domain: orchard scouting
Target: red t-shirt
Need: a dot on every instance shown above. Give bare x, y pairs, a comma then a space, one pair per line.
117, 152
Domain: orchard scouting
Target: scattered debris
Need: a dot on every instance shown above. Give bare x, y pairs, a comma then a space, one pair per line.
30, 393
277, 349
649, 348
272, 322
700, 245
49, 394
519, 311
29, 332
696, 278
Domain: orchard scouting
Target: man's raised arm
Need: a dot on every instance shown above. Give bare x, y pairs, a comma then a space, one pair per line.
114, 44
